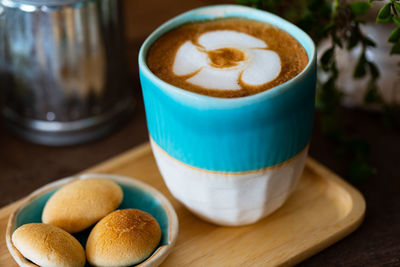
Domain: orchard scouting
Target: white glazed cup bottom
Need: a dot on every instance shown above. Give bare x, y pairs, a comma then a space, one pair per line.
230, 199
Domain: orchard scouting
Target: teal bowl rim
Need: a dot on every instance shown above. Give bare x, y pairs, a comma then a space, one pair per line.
216, 11
155, 259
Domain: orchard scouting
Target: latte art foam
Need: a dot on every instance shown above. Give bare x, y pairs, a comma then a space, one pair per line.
226, 57
223, 60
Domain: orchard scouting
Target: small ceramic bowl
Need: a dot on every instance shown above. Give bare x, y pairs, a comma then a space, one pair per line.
137, 195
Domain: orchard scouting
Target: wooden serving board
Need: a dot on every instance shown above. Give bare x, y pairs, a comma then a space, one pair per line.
322, 210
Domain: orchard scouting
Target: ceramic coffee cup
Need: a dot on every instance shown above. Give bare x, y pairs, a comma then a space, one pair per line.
231, 161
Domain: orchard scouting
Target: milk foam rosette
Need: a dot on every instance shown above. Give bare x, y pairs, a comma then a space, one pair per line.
231, 161
226, 59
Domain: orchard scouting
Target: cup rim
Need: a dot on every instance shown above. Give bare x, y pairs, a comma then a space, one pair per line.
216, 11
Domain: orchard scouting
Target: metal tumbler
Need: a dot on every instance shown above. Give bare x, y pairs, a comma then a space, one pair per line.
62, 74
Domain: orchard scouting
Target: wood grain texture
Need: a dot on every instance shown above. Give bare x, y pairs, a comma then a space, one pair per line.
322, 210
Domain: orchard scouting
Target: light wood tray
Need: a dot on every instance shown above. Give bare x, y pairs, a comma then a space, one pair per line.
322, 210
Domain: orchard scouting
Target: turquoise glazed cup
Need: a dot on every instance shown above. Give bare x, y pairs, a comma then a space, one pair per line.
231, 161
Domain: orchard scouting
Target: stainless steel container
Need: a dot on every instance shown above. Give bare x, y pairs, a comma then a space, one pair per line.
62, 69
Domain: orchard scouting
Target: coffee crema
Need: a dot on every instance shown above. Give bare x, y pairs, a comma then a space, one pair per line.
227, 57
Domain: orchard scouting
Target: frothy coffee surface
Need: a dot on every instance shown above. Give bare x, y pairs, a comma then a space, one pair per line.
230, 57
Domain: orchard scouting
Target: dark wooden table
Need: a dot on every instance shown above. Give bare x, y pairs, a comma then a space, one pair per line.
25, 166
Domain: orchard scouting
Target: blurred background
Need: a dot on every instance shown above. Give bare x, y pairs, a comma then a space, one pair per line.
356, 132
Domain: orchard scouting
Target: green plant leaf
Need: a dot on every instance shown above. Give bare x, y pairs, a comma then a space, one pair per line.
395, 48
387, 20
329, 27
397, 6
369, 42
327, 57
373, 70
396, 20
360, 69
353, 40
394, 36
359, 8
384, 13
